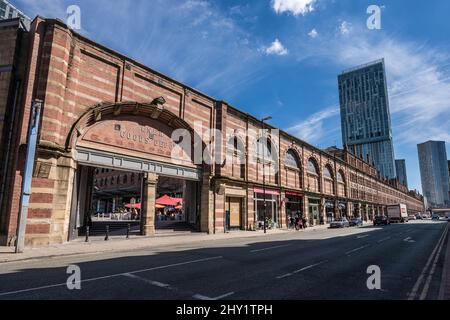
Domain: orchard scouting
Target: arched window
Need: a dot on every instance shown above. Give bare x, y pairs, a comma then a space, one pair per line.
235, 146
340, 177
236, 157
264, 150
327, 173
292, 160
312, 167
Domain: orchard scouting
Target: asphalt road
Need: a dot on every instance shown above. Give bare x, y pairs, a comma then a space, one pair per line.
325, 264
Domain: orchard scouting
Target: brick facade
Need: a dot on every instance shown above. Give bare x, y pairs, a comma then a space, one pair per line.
75, 78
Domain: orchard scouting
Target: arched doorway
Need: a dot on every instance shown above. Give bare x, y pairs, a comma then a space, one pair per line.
134, 166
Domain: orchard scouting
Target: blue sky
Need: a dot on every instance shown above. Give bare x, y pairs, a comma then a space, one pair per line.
282, 57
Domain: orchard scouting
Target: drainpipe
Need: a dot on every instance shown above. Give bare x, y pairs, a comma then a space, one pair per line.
8, 143
28, 173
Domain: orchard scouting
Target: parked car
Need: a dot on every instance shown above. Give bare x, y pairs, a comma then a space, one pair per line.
413, 218
419, 217
381, 221
356, 222
340, 223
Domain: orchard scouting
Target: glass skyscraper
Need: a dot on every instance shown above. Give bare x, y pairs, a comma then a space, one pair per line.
8, 11
434, 173
400, 167
365, 115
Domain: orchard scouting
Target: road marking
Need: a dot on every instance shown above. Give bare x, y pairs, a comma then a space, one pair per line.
421, 278
426, 287
205, 298
271, 248
110, 276
153, 283
409, 240
170, 288
301, 270
385, 239
362, 237
357, 249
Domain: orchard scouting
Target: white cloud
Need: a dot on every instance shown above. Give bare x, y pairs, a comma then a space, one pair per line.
313, 33
296, 7
312, 129
345, 28
276, 48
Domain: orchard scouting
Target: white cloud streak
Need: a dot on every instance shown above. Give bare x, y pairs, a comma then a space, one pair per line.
295, 7
313, 129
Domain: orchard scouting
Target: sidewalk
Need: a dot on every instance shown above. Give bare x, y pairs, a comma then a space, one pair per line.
119, 244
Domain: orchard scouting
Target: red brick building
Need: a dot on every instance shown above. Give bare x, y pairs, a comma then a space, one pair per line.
104, 110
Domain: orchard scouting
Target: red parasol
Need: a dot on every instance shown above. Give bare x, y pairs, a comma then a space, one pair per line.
167, 201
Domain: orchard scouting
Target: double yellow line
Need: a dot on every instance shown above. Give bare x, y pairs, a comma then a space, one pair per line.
429, 269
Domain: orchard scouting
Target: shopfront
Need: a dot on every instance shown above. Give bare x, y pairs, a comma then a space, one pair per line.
271, 205
233, 211
294, 207
343, 212
314, 211
330, 210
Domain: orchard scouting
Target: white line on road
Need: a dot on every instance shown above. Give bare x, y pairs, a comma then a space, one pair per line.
110, 276
271, 248
301, 270
426, 287
362, 237
357, 249
205, 298
170, 288
384, 239
421, 278
153, 283
409, 240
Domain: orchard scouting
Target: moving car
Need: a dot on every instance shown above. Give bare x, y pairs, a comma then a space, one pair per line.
340, 223
356, 222
381, 221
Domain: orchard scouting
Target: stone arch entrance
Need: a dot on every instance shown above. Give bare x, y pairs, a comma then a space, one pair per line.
146, 142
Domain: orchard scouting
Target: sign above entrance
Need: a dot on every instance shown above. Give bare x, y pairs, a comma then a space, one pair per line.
135, 134
267, 191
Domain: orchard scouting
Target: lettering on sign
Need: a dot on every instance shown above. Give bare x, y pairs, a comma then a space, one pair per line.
134, 134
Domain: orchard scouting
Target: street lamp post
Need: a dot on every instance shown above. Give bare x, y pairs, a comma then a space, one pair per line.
264, 171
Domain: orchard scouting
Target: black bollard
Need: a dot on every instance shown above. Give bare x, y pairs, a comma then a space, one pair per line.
107, 233
128, 231
87, 233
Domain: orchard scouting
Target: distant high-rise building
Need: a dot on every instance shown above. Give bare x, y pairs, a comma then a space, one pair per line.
365, 115
8, 11
435, 173
400, 167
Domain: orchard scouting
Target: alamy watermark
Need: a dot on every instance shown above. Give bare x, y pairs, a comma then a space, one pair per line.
74, 279
374, 280
74, 17
374, 20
